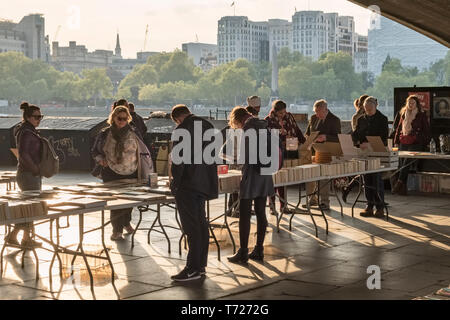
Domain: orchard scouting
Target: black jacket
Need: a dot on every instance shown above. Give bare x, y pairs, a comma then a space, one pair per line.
330, 127
376, 125
29, 147
253, 183
201, 178
139, 123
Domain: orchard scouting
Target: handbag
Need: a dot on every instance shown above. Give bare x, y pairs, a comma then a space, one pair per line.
407, 139
291, 144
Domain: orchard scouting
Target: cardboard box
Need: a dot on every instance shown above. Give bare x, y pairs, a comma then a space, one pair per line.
229, 183
162, 167
413, 183
333, 148
387, 159
429, 183
444, 183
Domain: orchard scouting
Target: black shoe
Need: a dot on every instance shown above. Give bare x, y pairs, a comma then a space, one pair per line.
11, 241
379, 213
324, 206
312, 203
202, 271
368, 212
186, 275
345, 192
240, 257
257, 254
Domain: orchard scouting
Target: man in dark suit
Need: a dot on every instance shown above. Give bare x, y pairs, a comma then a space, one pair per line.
373, 123
137, 120
329, 126
193, 183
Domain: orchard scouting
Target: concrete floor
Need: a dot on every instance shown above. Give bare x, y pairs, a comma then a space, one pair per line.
411, 250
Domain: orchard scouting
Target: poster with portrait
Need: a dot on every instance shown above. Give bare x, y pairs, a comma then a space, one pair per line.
424, 98
441, 107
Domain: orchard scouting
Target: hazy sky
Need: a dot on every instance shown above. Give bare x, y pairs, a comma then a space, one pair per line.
171, 22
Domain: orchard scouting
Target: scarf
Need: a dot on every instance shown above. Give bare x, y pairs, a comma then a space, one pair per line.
119, 135
24, 125
410, 115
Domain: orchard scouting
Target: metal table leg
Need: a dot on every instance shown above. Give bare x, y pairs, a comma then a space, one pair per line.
108, 256
137, 226
361, 186
81, 249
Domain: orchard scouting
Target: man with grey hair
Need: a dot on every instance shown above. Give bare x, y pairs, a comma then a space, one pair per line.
254, 102
329, 126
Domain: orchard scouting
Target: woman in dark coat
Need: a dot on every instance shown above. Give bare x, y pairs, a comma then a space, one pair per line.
284, 121
28, 173
411, 134
255, 187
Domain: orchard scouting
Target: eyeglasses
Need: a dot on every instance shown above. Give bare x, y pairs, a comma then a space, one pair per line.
38, 117
121, 119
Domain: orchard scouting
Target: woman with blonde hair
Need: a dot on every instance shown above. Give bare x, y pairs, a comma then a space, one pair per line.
412, 134
119, 153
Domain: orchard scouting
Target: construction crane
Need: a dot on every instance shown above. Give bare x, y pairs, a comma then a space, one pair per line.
145, 39
56, 33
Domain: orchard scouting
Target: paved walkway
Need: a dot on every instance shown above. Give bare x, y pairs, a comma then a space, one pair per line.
411, 249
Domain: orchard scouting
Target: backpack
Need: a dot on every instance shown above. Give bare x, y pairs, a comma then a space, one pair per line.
49, 165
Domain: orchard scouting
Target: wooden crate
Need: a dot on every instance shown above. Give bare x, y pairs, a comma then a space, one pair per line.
229, 183
387, 159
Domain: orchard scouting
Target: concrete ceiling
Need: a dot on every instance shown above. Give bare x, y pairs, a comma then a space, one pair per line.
429, 17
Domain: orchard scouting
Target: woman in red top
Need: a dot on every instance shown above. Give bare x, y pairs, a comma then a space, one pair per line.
284, 121
411, 134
